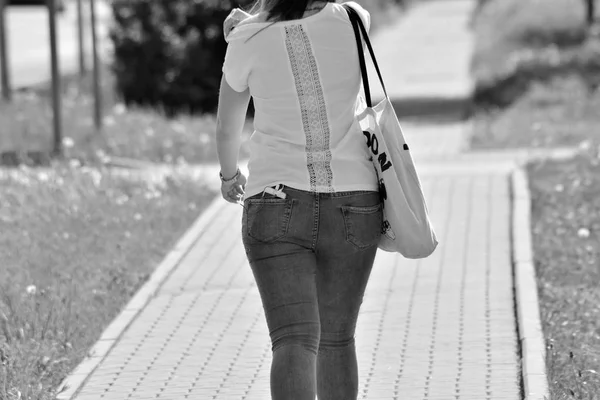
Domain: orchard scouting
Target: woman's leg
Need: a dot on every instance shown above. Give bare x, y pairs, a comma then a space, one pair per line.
284, 266
346, 253
288, 292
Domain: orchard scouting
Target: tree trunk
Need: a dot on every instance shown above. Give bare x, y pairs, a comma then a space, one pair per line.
4, 64
591, 12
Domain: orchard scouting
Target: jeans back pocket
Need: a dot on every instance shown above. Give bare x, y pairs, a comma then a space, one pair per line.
363, 224
267, 220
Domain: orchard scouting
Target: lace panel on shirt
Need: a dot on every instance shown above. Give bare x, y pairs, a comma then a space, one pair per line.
312, 107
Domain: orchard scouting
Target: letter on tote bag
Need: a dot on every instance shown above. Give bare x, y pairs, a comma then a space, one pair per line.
407, 227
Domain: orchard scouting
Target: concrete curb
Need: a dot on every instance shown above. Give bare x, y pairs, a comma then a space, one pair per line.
77, 378
533, 349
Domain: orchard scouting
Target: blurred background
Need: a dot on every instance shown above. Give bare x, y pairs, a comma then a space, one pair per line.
158, 58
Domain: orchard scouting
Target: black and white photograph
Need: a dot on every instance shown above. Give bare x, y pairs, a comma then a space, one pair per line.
300, 199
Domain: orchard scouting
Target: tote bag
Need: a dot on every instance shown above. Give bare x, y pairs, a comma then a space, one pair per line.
407, 228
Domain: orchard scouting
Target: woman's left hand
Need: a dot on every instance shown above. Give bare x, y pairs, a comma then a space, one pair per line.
234, 191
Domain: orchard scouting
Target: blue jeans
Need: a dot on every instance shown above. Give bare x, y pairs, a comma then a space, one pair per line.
311, 255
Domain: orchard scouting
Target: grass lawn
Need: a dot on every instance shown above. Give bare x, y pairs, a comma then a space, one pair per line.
537, 73
566, 232
75, 245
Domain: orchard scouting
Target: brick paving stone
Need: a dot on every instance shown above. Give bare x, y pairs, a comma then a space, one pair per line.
441, 327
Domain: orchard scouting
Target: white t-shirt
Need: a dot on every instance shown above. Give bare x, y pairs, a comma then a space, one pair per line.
304, 78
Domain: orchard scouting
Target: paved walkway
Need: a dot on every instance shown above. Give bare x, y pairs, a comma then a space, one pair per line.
439, 328
428, 52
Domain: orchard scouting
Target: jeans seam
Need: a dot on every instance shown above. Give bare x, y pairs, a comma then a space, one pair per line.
350, 193
315, 233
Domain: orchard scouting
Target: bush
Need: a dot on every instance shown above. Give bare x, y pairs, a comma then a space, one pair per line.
169, 53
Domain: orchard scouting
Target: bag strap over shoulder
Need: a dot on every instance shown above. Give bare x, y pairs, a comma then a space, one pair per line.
359, 28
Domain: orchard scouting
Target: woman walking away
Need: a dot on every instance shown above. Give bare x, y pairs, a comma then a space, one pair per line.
312, 212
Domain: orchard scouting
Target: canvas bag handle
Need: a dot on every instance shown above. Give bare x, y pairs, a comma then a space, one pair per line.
359, 28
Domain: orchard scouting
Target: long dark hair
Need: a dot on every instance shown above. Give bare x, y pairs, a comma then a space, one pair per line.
284, 10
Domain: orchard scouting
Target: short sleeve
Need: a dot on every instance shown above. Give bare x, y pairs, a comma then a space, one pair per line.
365, 16
237, 65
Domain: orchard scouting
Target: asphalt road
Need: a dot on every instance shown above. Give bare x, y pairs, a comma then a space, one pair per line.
28, 41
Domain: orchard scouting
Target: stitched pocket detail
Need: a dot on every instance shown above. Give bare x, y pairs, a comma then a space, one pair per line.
267, 220
363, 225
